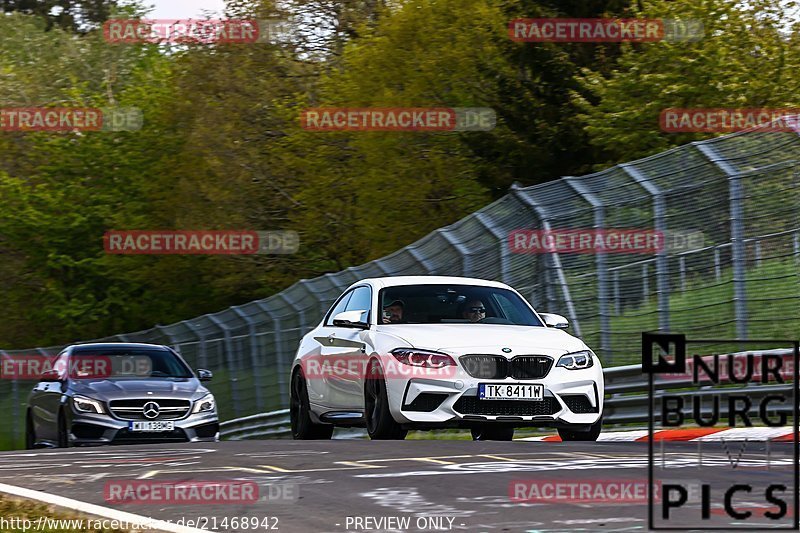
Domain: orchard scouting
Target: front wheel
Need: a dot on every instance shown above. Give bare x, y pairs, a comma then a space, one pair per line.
568, 434
380, 423
303, 428
63, 431
493, 432
30, 433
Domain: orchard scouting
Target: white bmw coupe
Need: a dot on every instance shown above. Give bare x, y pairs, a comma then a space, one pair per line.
430, 352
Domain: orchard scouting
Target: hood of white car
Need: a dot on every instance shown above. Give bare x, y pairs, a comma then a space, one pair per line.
485, 338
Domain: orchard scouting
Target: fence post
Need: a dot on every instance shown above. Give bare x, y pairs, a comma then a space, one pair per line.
279, 363
202, 356
758, 253
502, 243
251, 332
601, 265
553, 257
660, 225
682, 268
418, 257
14, 407
717, 264
735, 197
796, 247
645, 282
226, 332
466, 267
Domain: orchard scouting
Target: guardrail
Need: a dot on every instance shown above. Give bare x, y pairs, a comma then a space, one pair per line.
273, 424
622, 404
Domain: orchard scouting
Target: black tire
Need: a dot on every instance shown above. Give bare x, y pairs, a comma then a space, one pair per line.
303, 428
380, 423
30, 433
63, 437
568, 435
493, 432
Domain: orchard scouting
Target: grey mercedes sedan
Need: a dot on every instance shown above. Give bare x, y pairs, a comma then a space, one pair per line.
120, 393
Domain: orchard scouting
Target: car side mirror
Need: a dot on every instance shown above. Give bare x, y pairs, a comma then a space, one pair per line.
204, 375
50, 376
554, 321
351, 319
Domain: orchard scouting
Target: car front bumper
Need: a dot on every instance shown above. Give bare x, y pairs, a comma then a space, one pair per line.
571, 398
94, 429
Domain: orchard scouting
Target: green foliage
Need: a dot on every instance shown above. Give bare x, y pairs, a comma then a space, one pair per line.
222, 146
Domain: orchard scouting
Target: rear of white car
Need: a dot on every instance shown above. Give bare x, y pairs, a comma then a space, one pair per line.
463, 353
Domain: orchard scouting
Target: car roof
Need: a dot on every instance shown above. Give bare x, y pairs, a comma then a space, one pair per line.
117, 345
394, 281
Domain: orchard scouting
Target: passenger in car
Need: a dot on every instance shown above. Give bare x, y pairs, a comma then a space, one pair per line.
474, 311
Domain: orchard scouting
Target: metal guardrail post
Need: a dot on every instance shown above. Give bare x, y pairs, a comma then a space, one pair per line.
161, 329
14, 407
226, 332
682, 268
660, 224
463, 251
736, 194
299, 310
279, 363
419, 258
554, 257
502, 243
757, 247
251, 333
601, 266
202, 355
645, 282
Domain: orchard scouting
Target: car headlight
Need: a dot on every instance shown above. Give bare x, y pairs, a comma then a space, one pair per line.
422, 358
576, 360
206, 404
82, 404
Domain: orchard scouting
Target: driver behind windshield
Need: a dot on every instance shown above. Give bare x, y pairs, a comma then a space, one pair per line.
474, 311
393, 313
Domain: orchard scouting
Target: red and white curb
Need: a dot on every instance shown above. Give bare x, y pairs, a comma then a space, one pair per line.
753, 434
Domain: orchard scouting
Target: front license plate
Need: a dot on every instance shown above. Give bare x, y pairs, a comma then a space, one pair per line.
502, 391
151, 426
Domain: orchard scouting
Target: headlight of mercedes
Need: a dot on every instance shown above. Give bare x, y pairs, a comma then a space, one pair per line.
82, 404
206, 404
576, 360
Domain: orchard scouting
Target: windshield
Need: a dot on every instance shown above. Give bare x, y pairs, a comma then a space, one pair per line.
454, 304
126, 364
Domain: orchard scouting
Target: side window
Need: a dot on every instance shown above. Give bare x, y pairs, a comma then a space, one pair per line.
361, 300
509, 309
338, 308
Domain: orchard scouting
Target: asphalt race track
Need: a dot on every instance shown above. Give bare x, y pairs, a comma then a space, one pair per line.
437, 485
